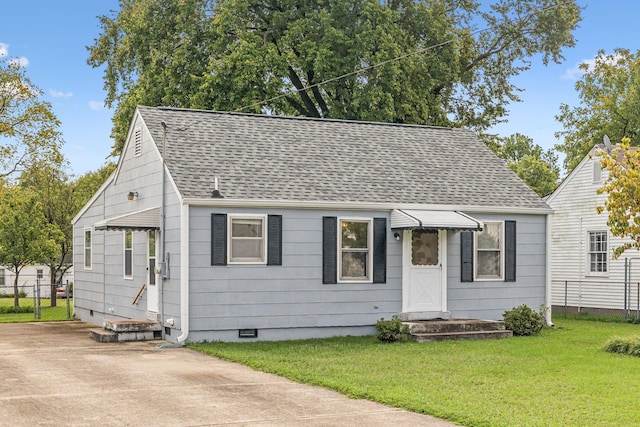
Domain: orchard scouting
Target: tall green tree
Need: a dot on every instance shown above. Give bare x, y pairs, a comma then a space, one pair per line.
438, 62
609, 92
28, 128
26, 237
62, 197
535, 166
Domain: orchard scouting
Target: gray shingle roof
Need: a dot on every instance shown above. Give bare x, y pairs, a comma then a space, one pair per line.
259, 157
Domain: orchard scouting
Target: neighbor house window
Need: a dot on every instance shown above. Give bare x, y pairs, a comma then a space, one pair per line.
2, 274
247, 242
87, 248
597, 171
489, 262
598, 250
39, 273
128, 254
354, 256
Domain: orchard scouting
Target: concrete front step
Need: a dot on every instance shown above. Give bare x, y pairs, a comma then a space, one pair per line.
470, 335
454, 325
132, 325
123, 330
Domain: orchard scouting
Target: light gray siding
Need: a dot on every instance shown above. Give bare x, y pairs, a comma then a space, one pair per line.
489, 299
288, 300
103, 291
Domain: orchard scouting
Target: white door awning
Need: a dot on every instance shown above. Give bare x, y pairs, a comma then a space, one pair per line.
439, 220
147, 219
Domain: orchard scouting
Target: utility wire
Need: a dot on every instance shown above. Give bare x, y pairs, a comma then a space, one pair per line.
379, 64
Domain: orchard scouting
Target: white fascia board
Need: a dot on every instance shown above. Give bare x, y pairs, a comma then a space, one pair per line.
358, 206
575, 170
93, 198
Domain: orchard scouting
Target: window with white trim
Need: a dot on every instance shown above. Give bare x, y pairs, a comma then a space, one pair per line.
247, 239
489, 254
355, 238
598, 251
2, 277
128, 254
88, 249
39, 273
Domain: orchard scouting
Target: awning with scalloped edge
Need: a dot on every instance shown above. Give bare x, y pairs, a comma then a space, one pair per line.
147, 219
440, 220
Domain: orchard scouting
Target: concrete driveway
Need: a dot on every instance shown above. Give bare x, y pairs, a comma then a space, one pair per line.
53, 374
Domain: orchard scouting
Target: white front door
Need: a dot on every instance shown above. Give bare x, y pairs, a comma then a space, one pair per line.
152, 289
423, 285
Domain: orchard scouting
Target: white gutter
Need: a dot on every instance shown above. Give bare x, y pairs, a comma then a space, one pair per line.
294, 204
549, 241
184, 273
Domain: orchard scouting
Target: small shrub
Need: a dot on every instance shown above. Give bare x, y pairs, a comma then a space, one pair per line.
630, 346
522, 320
15, 310
391, 330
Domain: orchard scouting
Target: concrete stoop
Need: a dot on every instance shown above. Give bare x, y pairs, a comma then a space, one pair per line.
123, 330
457, 329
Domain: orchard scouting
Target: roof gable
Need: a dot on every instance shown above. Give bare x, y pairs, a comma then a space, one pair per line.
260, 157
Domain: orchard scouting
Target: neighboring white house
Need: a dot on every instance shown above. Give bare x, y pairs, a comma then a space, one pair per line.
584, 274
28, 278
227, 226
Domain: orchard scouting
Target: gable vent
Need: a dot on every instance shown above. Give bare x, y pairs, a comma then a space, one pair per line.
138, 143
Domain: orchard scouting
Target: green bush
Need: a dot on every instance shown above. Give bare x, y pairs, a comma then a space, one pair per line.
13, 310
391, 330
522, 320
21, 294
630, 346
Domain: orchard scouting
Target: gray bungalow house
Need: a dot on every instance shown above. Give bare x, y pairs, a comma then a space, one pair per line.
223, 226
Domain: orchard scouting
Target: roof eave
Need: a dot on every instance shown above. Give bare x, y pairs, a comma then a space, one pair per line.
353, 206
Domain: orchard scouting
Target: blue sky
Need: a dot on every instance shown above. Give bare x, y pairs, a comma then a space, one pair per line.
51, 38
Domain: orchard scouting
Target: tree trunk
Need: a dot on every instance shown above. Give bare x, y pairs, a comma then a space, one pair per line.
52, 278
16, 298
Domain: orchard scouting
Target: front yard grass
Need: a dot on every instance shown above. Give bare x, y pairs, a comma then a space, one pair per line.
47, 314
561, 377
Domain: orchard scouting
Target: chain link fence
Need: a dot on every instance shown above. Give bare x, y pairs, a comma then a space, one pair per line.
37, 301
599, 298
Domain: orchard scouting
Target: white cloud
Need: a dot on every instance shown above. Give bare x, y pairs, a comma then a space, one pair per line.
20, 62
58, 94
96, 105
79, 147
4, 49
576, 72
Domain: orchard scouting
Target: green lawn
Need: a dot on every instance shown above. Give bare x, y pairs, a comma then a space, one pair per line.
47, 313
559, 378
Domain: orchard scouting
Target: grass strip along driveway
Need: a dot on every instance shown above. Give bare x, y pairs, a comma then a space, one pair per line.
561, 377
47, 313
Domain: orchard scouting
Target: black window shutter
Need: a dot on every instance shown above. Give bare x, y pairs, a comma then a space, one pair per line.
218, 239
329, 249
379, 250
509, 251
274, 243
466, 251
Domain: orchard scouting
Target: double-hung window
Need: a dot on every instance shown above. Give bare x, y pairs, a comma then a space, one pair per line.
128, 254
598, 251
247, 242
87, 248
355, 242
489, 246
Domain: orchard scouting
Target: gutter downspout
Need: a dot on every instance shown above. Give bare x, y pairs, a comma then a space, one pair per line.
184, 274
549, 240
163, 265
